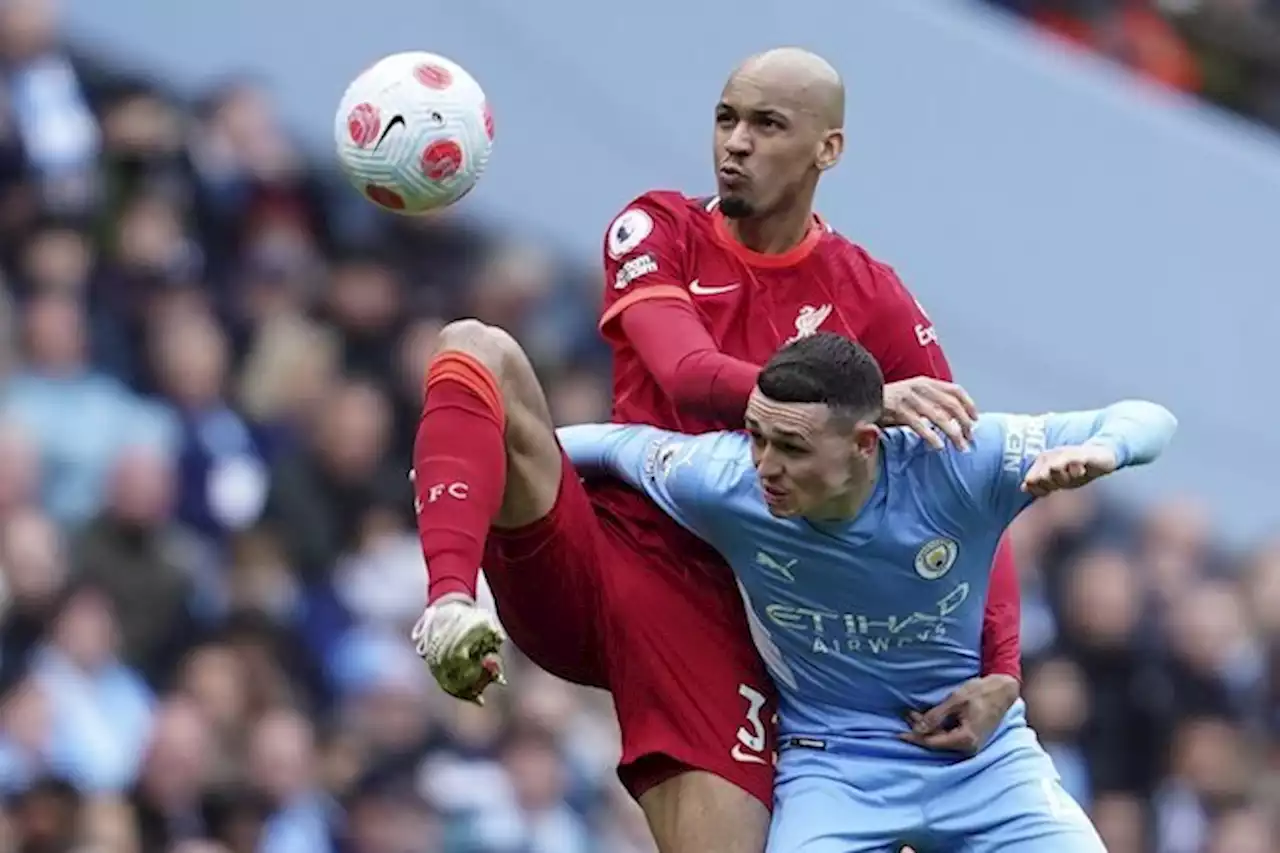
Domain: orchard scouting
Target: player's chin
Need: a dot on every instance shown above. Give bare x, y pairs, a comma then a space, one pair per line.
734, 205
781, 507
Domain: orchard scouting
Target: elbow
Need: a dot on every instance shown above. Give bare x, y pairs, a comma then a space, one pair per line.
1153, 426
689, 388
1155, 414
690, 399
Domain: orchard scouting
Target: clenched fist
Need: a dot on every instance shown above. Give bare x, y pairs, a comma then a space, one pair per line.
1069, 468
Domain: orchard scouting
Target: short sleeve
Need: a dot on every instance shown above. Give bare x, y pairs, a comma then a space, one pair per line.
1001, 453
643, 259
1005, 447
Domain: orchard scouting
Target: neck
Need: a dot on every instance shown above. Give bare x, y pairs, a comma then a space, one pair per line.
775, 233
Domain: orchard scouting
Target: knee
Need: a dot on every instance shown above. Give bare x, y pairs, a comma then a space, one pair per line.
489, 345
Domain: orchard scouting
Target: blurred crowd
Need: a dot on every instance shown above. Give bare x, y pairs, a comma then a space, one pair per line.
1227, 51
211, 355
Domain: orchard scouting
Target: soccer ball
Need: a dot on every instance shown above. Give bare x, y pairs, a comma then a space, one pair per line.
414, 132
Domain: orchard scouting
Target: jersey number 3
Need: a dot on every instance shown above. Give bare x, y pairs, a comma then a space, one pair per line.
752, 738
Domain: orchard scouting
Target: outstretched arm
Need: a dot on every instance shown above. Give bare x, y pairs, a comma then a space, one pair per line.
1023, 457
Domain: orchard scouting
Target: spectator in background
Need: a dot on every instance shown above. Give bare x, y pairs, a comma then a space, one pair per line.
144, 152
33, 554
222, 469
177, 770
1057, 697
1214, 665
322, 493
382, 690
101, 710
289, 369
145, 565
364, 306
385, 817
214, 678
56, 258
282, 764
56, 393
151, 267
1125, 736
49, 106
1209, 773
536, 816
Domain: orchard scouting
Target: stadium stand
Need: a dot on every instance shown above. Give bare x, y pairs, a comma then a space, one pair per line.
1227, 51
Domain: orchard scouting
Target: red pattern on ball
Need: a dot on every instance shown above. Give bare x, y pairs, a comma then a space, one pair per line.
384, 197
433, 76
363, 124
442, 160
488, 121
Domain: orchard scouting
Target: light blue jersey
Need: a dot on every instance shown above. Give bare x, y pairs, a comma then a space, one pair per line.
862, 619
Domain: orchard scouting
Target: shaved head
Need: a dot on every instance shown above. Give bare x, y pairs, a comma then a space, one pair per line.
807, 80
779, 126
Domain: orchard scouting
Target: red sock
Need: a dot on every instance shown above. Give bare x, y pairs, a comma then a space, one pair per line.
460, 470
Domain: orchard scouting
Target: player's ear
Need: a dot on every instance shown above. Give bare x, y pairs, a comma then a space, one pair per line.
830, 147
866, 438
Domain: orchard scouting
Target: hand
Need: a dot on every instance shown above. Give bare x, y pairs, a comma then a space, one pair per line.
923, 403
967, 718
1068, 468
460, 643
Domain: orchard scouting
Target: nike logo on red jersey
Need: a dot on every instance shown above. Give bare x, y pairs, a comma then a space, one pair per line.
698, 289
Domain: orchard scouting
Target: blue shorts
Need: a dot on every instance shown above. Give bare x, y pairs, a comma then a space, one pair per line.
855, 797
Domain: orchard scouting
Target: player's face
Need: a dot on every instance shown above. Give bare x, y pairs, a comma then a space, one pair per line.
769, 147
808, 462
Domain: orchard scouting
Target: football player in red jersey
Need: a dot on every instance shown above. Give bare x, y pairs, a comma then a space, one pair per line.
593, 582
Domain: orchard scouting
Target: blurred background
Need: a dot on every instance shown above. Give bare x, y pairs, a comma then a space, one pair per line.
211, 353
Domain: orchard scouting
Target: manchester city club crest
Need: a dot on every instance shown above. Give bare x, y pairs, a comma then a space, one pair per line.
936, 558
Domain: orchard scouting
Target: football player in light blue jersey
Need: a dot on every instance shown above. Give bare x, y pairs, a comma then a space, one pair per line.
863, 557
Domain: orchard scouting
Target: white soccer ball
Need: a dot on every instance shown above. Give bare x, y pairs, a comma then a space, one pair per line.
414, 132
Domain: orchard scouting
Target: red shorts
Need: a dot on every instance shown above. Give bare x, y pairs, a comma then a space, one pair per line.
690, 691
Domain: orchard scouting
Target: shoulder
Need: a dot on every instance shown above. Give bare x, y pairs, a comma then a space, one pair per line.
935, 474
993, 433
721, 460
904, 451
664, 213
711, 449
871, 276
